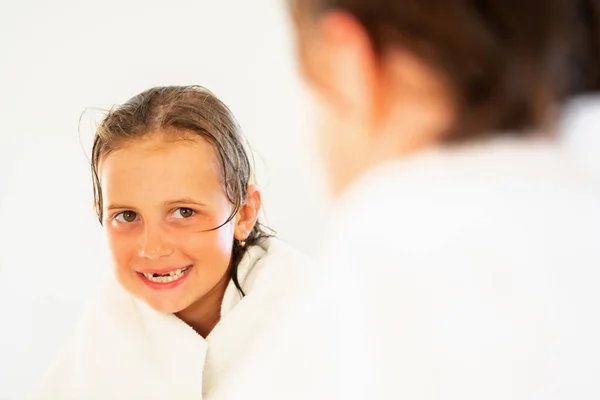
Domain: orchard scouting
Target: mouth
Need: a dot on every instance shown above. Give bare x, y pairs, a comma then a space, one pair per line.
167, 277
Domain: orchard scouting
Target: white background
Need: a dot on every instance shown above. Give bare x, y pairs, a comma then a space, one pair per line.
59, 58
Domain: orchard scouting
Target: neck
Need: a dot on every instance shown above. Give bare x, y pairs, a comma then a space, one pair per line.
205, 313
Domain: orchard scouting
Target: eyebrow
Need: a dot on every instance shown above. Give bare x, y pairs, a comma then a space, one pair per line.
185, 200
118, 206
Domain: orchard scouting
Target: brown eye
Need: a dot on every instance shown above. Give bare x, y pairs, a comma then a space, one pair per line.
126, 216
184, 212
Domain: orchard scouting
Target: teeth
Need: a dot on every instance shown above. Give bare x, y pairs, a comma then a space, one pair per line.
170, 277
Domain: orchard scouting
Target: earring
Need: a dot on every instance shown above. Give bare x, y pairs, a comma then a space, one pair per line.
242, 243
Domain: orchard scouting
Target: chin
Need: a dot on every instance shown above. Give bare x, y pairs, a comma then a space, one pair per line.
163, 305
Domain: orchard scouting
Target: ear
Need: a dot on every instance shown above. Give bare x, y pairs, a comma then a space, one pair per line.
338, 62
248, 214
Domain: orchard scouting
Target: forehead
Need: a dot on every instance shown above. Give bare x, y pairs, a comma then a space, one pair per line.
155, 168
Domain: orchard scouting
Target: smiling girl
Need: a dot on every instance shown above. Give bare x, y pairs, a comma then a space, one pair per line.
198, 277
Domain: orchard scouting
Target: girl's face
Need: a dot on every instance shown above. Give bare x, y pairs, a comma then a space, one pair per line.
160, 198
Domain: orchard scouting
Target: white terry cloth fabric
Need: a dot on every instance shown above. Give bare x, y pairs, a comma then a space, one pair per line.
126, 350
475, 271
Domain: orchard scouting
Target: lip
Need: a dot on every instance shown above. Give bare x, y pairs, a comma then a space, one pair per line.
163, 285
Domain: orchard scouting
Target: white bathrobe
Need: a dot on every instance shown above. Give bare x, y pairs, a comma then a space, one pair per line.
456, 274
126, 350
475, 271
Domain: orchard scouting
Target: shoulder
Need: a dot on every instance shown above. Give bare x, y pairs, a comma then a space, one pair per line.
449, 195
98, 338
279, 264
273, 274
109, 319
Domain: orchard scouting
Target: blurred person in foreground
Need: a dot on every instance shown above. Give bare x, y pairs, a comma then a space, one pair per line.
461, 139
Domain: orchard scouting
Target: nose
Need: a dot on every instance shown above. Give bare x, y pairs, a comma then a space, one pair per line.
153, 244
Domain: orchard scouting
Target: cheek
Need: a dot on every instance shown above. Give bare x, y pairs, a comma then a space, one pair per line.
326, 131
209, 249
122, 247
335, 142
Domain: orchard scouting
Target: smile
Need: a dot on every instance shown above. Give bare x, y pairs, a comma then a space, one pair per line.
167, 277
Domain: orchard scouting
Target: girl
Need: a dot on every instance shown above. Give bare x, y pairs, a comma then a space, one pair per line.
198, 276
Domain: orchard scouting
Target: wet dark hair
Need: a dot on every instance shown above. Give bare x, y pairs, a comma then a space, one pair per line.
510, 63
181, 111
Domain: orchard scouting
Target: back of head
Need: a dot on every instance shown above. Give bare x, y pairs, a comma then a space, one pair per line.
510, 63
